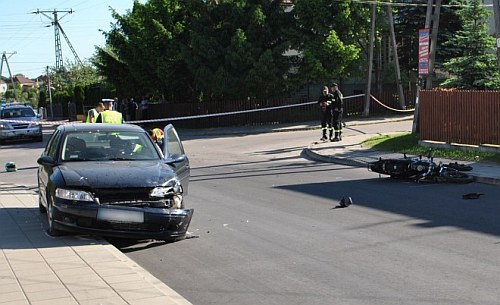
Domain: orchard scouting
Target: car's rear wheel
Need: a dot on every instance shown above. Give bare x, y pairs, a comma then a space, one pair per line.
50, 219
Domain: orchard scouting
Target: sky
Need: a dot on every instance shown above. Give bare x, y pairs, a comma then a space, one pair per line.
31, 36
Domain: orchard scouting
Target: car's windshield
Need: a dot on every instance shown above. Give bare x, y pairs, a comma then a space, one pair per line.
17, 113
106, 146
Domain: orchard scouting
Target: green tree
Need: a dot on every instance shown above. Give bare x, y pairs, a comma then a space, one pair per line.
330, 37
475, 68
143, 49
192, 50
236, 49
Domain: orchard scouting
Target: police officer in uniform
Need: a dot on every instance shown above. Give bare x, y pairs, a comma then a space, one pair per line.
325, 103
337, 109
109, 115
93, 113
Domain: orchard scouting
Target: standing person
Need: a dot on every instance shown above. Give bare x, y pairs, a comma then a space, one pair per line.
124, 109
94, 112
337, 110
109, 115
325, 103
132, 109
116, 104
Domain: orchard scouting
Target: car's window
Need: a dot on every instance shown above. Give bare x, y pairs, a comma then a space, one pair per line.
51, 149
17, 113
173, 145
105, 146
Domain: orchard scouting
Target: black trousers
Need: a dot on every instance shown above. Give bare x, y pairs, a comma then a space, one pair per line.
337, 120
326, 119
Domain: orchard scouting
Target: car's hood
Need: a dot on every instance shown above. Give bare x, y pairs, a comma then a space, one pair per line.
116, 174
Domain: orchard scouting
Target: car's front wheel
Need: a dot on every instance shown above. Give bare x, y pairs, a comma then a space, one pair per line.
50, 219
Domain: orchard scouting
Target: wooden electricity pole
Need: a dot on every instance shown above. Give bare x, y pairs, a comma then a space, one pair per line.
432, 51
366, 111
402, 103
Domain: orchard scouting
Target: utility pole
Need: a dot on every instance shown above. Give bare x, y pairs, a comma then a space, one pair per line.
366, 111
50, 94
402, 103
421, 78
496, 16
57, 27
5, 58
432, 51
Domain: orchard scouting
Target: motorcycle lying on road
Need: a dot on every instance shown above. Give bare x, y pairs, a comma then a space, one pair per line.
422, 170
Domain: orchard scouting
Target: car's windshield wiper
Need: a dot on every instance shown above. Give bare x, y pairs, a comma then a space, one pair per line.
120, 159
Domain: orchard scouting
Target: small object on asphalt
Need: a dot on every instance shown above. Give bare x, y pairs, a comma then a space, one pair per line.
345, 202
190, 235
472, 195
10, 167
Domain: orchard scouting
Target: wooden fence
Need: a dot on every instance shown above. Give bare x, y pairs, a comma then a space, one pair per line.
464, 117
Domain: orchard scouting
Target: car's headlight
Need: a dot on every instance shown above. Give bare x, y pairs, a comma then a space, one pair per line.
74, 195
172, 186
4, 125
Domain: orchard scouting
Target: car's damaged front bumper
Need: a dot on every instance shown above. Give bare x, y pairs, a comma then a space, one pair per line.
122, 221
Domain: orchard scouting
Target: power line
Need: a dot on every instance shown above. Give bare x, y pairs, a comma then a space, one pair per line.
58, 28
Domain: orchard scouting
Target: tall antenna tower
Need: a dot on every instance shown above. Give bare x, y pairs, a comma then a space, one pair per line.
57, 27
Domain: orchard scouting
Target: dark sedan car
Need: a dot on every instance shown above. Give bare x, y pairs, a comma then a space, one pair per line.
113, 180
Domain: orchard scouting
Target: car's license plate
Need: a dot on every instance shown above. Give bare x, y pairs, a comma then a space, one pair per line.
120, 215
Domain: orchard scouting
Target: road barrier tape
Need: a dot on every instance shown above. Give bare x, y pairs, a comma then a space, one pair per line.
231, 112
37, 122
204, 115
390, 108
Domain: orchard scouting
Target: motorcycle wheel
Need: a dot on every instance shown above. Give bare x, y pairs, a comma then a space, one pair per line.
459, 166
455, 176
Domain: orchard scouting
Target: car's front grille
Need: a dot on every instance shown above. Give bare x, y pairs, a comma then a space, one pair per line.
20, 126
107, 196
136, 197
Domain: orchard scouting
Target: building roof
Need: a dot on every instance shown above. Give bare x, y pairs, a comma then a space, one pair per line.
23, 80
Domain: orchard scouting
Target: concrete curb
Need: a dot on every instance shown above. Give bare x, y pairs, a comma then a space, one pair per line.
332, 159
169, 292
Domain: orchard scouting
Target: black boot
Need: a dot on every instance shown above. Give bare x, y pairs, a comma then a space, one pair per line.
324, 138
336, 139
331, 135
340, 135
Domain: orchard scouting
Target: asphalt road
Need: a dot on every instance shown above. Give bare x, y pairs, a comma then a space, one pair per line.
270, 232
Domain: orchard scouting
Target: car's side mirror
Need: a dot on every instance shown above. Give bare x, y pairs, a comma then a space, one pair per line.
47, 161
175, 159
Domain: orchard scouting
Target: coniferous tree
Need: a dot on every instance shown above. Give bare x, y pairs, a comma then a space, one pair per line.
475, 68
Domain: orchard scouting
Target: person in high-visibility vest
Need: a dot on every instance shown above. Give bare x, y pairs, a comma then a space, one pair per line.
93, 113
109, 115
157, 135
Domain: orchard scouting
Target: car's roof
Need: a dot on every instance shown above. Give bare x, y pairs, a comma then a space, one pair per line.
16, 106
99, 126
